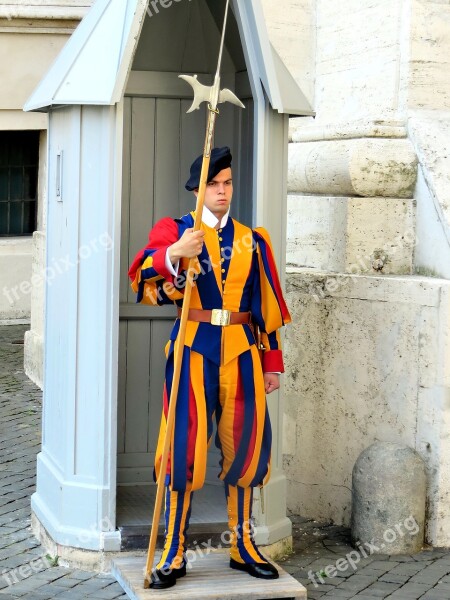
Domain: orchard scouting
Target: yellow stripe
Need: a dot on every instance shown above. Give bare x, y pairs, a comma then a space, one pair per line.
191, 332
160, 444
178, 558
148, 263
228, 379
196, 370
240, 264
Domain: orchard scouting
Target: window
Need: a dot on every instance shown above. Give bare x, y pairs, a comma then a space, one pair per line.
19, 157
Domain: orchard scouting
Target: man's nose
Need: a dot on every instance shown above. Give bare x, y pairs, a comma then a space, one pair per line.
221, 189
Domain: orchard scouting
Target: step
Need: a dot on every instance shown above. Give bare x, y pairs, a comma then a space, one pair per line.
137, 537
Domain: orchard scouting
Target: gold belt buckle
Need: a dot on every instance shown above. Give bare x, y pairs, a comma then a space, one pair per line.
220, 316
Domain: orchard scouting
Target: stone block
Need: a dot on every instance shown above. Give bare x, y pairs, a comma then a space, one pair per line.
15, 267
429, 81
350, 234
354, 356
357, 58
34, 357
388, 498
290, 26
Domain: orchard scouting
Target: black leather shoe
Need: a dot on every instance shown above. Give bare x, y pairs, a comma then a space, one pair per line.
260, 570
163, 579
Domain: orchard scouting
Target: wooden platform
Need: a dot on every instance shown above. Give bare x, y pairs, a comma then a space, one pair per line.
209, 577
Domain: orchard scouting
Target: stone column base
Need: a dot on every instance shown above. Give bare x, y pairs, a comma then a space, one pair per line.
34, 357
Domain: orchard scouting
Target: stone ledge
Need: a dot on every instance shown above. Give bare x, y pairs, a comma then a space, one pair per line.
62, 11
59, 17
409, 289
368, 128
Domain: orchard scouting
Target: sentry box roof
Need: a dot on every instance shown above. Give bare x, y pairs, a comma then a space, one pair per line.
94, 65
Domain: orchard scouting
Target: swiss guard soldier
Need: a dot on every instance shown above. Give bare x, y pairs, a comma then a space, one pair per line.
236, 293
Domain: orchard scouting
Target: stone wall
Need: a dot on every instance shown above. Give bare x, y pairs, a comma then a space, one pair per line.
292, 32
15, 269
358, 59
429, 56
365, 362
368, 352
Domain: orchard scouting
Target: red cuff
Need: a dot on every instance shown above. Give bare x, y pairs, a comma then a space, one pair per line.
273, 361
159, 264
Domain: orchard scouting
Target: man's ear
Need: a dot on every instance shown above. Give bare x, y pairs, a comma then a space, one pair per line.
195, 192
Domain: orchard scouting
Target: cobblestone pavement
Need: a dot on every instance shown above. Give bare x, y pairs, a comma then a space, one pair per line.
26, 572
370, 576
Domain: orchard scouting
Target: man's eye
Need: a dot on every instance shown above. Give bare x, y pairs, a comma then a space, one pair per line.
211, 183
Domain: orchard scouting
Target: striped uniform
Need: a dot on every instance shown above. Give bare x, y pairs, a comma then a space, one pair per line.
222, 371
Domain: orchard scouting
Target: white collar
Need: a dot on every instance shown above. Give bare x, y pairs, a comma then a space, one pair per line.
209, 219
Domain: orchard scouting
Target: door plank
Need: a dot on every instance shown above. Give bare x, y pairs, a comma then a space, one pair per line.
137, 386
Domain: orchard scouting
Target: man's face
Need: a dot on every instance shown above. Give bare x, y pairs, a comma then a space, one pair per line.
219, 192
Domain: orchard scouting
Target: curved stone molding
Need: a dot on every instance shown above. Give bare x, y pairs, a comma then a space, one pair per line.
356, 167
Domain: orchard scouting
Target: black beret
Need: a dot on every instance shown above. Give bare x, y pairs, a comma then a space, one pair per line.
220, 159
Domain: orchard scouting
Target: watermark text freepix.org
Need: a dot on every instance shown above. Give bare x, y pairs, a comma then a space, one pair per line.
58, 266
155, 5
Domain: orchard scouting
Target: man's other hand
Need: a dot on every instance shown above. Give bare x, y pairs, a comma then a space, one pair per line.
271, 382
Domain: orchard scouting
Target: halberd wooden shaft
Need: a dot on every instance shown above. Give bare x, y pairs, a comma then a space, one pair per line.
178, 351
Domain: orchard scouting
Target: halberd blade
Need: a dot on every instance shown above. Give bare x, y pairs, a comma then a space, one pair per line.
202, 93
205, 93
227, 95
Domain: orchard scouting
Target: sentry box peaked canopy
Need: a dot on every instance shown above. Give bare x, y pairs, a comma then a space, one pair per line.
94, 65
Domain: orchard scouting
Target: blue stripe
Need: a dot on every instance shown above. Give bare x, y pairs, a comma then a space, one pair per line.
264, 456
249, 286
227, 235
208, 342
273, 342
175, 543
211, 386
256, 308
210, 295
264, 250
179, 469
246, 370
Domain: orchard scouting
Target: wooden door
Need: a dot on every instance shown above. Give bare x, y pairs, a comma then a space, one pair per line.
160, 142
